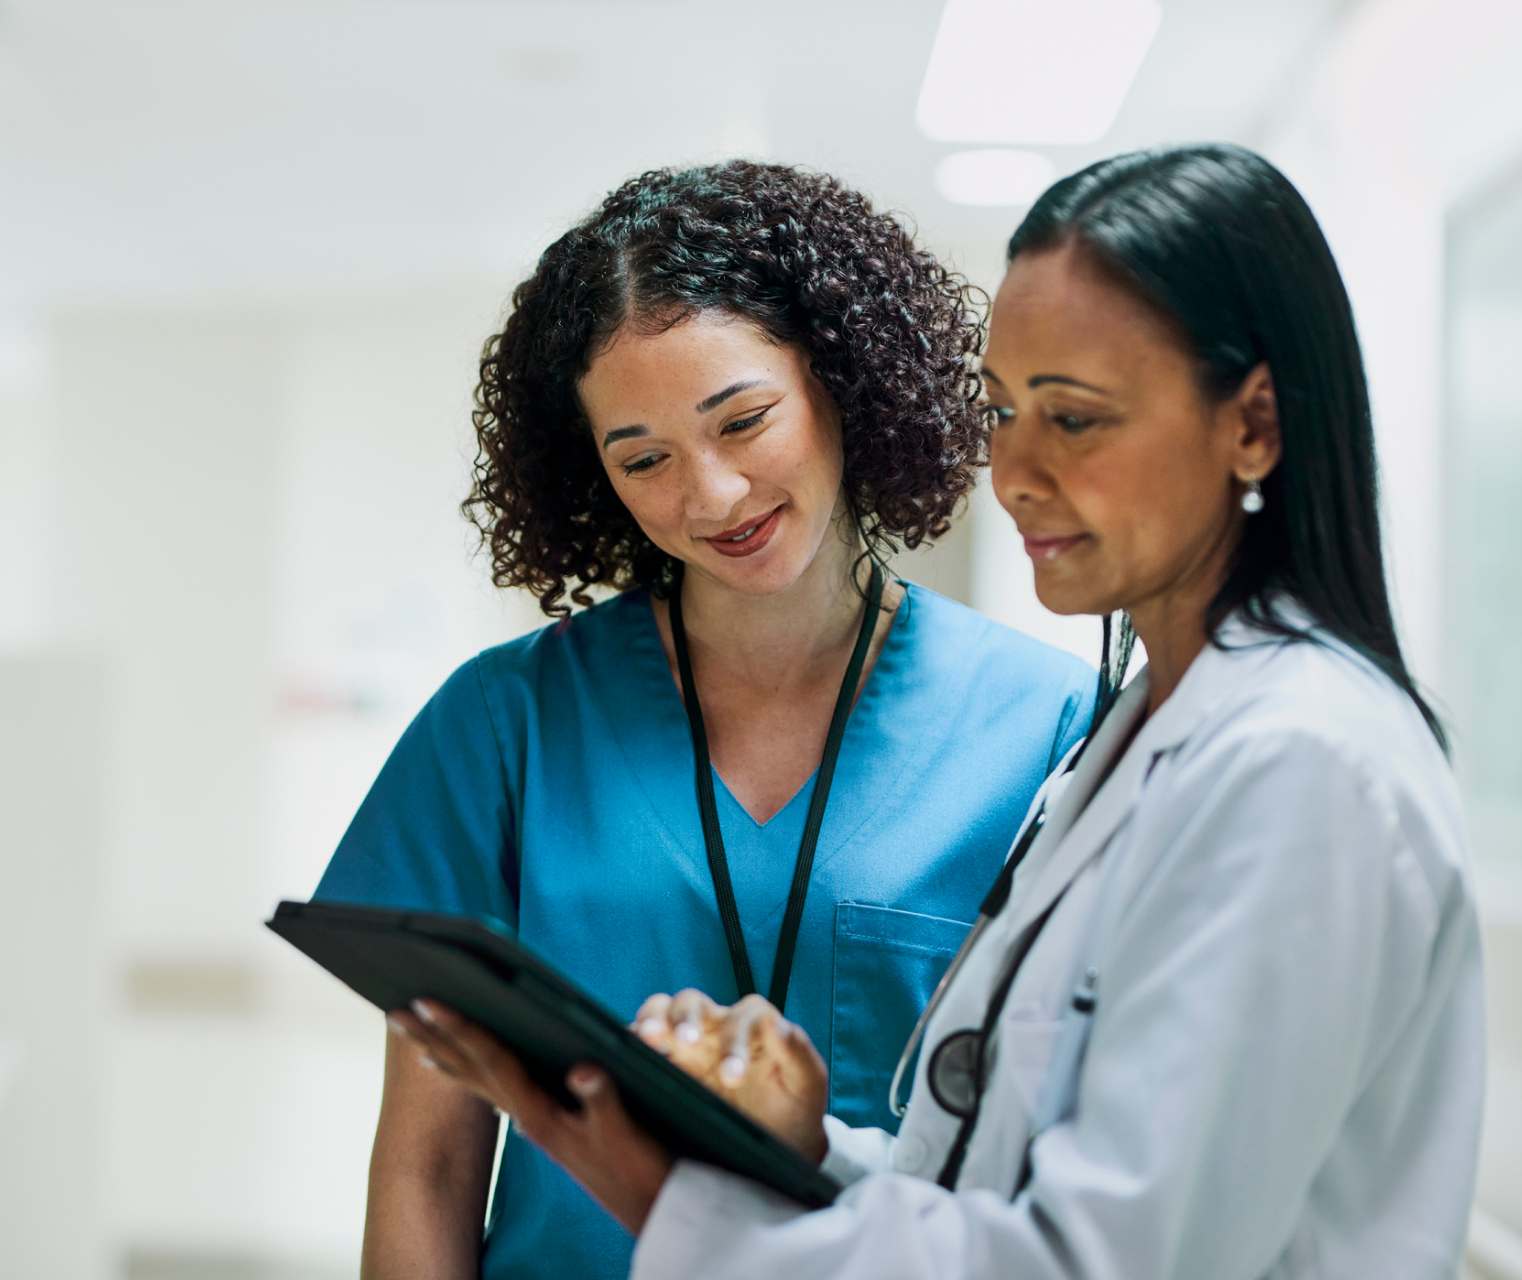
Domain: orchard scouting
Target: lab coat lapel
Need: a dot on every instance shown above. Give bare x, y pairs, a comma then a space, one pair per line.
1082, 821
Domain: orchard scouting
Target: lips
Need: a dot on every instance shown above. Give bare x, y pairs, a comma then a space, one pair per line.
1043, 549
746, 539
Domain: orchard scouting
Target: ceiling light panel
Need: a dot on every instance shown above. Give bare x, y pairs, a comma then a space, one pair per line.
1033, 71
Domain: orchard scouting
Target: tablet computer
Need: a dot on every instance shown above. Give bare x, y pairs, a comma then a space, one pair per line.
392, 957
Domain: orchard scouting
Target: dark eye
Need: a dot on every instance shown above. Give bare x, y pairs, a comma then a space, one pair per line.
743, 424
1002, 415
1071, 422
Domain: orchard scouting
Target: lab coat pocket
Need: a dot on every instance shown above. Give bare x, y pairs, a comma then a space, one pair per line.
887, 964
1022, 1055
1027, 1036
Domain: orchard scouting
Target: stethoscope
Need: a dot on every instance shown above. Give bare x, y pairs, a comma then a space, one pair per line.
961, 1064
957, 1063
959, 1067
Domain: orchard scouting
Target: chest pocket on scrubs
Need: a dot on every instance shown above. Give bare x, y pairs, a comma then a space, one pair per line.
887, 963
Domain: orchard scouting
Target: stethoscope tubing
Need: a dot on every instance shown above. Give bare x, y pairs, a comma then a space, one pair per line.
998, 897
918, 1034
993, 903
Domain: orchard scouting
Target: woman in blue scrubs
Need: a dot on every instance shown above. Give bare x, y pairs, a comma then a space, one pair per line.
728, 394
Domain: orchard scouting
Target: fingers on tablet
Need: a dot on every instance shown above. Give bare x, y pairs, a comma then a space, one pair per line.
748, 1028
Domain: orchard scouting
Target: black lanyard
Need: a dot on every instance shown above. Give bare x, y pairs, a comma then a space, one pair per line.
718, 864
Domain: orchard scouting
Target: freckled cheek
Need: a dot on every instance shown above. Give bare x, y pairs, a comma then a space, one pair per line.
802, 468
656, 506
772, 466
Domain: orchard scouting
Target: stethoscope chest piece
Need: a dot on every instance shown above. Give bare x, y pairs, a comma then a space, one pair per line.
956, 1070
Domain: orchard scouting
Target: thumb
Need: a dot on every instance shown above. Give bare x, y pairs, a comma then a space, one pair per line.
602, 1110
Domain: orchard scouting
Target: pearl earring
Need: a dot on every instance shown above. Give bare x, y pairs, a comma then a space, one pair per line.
1252, 498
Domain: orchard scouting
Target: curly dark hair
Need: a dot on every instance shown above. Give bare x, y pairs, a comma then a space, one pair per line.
890, 333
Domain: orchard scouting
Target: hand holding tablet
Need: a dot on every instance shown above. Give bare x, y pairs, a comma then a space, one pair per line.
532, 1026
620, 1165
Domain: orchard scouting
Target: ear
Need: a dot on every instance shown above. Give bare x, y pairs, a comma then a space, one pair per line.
1254, 409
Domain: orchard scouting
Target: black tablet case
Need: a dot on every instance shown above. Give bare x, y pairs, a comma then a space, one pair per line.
392, 957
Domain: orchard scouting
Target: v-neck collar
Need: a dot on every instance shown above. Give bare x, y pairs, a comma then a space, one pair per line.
648, 725
801, 796
863, 709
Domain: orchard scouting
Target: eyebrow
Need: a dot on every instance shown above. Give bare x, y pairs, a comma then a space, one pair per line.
625, 433
703, 406
1041, 379
719, 397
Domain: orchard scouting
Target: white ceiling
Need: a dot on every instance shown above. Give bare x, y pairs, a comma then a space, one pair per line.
269, 149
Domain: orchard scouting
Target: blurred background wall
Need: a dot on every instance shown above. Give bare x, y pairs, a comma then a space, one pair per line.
249, 250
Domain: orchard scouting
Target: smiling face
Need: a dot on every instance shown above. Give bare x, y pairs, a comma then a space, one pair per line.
1122, 476
723, 446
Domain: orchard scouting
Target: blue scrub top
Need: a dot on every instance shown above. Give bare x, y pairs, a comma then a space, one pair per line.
549, 784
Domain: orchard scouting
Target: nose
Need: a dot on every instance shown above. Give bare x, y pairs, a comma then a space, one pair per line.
1020, 473
712, 488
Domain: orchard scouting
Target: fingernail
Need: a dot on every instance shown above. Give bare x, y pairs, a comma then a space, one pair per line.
689, 1032
653, 1028
732, 1069
584, 1082
428, 1062
394, 1025
422, 1010
784, 1027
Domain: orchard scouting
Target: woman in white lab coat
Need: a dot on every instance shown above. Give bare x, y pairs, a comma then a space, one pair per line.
1226, 1021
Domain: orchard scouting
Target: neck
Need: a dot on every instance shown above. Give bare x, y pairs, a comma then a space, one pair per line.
780, 639
1173, 642
1171, 624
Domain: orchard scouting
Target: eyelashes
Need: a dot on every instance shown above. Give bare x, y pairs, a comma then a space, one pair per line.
744, 423
640, 465
1070, 423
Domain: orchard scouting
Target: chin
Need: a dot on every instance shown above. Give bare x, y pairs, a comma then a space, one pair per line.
1068, 599
765, 575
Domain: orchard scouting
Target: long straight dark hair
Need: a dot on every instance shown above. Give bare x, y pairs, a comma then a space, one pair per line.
1219, 240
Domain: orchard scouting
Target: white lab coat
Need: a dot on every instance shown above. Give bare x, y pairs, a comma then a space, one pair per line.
1285, 1067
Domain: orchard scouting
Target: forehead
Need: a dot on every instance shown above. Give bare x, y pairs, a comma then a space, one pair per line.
682, 363
1058, 304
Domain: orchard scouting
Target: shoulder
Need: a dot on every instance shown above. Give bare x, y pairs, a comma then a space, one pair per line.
1320, 697
1306, 793
557, 664
1330, 734
945, 632
596, 633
